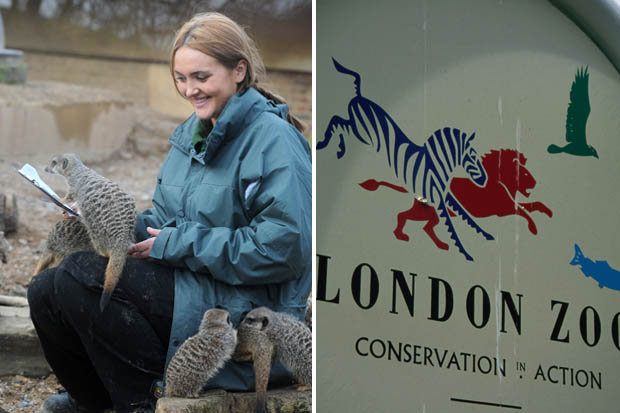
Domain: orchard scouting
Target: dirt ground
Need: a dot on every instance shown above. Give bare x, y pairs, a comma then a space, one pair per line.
25, 394
135, 170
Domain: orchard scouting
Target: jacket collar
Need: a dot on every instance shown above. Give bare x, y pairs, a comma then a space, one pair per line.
240, 111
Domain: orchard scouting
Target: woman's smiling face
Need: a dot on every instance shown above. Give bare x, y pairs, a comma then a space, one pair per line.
205, 82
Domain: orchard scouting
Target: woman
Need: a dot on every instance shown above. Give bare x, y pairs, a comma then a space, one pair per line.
230, 227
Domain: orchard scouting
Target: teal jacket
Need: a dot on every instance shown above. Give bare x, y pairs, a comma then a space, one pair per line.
236, 221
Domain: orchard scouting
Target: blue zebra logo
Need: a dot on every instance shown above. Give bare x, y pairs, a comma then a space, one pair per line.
427, 169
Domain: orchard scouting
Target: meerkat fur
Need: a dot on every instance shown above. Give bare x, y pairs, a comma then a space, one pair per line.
264, 335
308, 317
201, 356
66, 237
254, 345
107, 212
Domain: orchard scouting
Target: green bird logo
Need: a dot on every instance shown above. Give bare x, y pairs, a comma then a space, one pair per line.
576, 118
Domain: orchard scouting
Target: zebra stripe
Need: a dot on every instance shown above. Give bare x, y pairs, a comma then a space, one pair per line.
442, 152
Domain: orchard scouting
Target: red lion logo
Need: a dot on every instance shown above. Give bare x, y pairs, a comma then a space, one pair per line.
506, 175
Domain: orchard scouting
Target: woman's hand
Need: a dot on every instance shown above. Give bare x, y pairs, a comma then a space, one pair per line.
74, 206
143, 249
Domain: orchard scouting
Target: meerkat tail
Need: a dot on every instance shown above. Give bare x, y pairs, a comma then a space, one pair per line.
45, 262
262, 367
112, 275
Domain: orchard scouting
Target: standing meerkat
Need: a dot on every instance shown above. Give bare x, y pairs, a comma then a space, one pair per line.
202, 355
265, 335
107, 212
66, 237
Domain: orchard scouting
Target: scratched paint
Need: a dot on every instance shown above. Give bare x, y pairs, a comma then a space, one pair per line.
499, 110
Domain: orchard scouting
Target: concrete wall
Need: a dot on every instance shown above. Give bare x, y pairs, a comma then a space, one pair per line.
150, 83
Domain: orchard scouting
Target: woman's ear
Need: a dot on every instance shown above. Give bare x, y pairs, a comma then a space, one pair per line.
240, 70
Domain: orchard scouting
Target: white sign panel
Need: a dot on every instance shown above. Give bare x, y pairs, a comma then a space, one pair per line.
467, 197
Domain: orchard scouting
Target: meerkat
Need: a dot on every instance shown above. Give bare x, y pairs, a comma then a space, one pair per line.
4, 248
264, 335
107, 212
254, 345
67, 236
202, 355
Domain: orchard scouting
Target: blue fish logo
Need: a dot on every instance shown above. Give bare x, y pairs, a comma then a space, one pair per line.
599, 270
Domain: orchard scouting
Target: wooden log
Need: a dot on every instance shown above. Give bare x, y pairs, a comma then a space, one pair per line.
9, 216
220, 401
12, 217
12, 301
2, 212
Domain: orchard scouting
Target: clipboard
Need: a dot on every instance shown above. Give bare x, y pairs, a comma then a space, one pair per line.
31, 175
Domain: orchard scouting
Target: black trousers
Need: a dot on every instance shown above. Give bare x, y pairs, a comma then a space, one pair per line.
110, 358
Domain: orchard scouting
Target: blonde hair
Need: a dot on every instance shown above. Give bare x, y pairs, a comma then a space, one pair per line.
220, 37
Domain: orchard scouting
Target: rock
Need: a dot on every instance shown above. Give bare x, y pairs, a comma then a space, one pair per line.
145, 145
20, 350
219, 401
150, 133
25, 403
20, 291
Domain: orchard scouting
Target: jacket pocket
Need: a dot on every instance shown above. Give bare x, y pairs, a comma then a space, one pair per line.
216, 206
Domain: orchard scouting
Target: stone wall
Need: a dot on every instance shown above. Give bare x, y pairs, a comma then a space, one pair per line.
296, 88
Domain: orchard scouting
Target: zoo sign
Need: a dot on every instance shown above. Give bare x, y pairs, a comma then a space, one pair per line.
466, 254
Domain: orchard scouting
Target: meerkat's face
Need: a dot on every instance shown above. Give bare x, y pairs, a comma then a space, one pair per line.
53, 166
61, 164
258, 318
